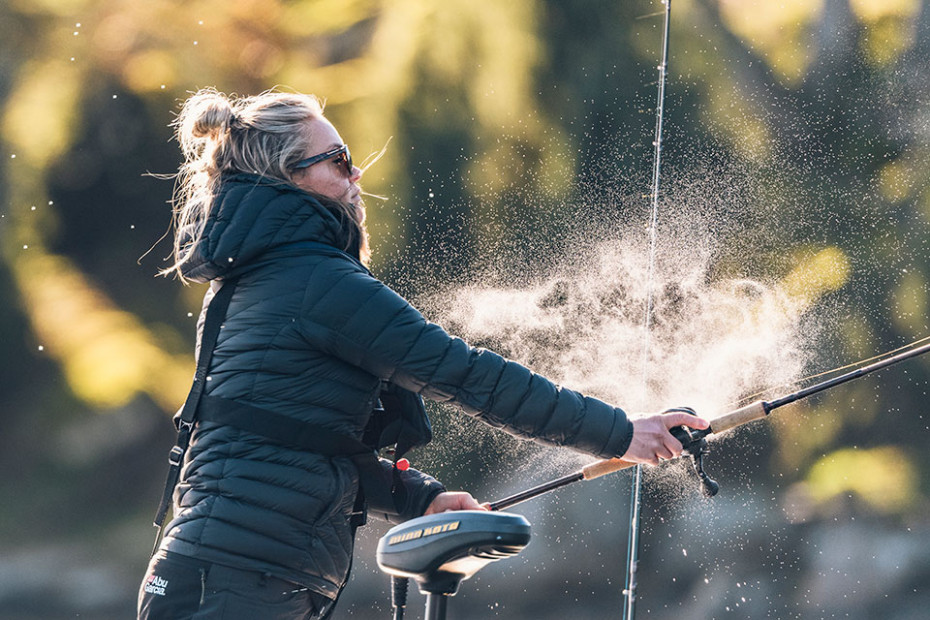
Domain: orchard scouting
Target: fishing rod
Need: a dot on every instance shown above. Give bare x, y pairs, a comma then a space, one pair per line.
636, 485
694, 441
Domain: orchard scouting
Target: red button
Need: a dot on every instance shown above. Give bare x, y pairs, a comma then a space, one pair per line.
402, 464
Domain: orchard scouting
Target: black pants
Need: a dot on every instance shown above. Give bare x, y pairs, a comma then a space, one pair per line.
178, 587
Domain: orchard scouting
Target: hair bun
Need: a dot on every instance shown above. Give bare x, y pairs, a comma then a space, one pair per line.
206, 114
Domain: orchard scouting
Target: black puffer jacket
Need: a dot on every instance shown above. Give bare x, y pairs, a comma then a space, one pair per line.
312, 335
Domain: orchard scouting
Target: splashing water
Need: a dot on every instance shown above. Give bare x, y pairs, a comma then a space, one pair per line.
713, 342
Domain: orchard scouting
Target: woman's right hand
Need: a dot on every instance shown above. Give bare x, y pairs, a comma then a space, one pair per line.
651, 440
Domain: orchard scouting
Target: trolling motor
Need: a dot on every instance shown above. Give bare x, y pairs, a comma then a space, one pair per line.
694, 441
440, 551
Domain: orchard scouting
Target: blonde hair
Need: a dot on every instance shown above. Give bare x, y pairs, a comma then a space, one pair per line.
265, 135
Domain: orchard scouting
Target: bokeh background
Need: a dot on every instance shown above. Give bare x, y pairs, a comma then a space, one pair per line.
797, 156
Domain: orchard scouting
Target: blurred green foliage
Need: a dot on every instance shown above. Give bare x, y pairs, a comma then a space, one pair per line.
499, 117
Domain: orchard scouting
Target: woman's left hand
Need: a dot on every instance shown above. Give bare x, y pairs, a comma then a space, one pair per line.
453, 500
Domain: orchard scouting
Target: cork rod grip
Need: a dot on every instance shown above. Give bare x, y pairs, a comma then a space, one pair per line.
752, 411
607, 466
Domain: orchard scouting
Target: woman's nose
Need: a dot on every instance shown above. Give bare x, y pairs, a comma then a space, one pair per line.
356, 174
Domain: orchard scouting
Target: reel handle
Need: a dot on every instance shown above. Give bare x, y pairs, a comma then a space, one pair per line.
695, 446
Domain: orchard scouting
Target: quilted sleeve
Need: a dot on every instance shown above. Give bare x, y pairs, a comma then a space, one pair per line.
355, 317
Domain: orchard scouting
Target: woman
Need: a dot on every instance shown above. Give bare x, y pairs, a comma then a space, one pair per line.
268, 204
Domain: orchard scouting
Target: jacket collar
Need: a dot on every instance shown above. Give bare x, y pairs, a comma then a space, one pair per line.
253, 215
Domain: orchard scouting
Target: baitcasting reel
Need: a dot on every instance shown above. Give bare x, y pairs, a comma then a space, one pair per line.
694, 443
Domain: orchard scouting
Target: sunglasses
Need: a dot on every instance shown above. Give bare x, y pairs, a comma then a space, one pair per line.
340, 152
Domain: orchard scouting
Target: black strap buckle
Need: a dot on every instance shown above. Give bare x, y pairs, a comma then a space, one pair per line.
176, 456
358, 518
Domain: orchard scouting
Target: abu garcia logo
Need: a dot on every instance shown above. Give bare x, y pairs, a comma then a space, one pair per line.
156, 585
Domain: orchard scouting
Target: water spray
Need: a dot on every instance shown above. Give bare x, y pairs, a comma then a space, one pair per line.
694, 442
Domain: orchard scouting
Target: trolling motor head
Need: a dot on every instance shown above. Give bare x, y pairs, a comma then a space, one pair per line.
442, 550
694, 443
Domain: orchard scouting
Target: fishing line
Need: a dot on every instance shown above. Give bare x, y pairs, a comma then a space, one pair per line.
632, 560
861, 363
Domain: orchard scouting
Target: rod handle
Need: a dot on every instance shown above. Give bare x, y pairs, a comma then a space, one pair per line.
753, 411
607, 466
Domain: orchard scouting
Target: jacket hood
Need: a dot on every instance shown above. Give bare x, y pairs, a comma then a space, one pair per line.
252, 215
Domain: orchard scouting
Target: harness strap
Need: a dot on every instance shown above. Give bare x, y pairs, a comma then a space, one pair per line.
213, 322
375, 481
281, 429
